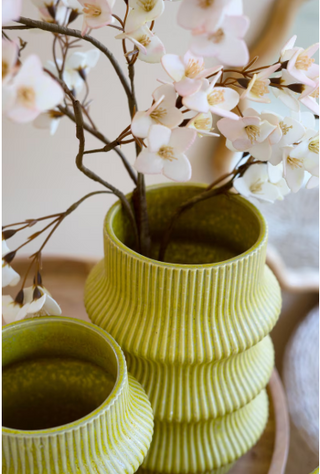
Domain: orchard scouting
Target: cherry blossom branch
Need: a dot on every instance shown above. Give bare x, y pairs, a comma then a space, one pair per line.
63, 30
90, 174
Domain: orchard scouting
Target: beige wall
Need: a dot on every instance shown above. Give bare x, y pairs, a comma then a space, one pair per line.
39, 174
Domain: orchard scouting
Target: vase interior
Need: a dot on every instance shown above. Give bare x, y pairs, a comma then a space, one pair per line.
54, 374
212, 231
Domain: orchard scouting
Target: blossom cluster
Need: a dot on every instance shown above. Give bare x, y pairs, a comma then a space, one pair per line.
283, 151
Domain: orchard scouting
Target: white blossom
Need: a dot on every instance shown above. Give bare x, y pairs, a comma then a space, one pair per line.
163, 112
9, 276
255, 183
202, 124
258, 86
49, 120
10, 52
32, 92
165, 153
142, 12
249, 133
151, 48
37, 301
96, 14
187, 72
218, 100
224, 43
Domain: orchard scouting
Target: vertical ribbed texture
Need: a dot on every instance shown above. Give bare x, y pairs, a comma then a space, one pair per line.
196, 338
114, 441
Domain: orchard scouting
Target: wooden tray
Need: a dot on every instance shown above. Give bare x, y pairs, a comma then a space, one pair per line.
65, 279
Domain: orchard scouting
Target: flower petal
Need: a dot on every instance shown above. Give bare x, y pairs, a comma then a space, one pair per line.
158, 136
178, 169
148, 163
182, 138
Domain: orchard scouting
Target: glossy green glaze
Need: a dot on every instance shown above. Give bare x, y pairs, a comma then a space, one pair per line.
69, 405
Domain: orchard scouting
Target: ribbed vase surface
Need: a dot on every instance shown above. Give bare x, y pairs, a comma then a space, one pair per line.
53, 366
195, 330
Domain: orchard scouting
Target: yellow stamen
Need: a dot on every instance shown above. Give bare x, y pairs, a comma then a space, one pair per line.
145, 40
314, 145
202, 124
147, 5
253, 132
259, 88
91, 10
256, 187
294, 162
304, 62
215, 97
193, 68
5, 68
205, 3
284, 128
158, 113
166, 153
315, 93
217, 36
27, 96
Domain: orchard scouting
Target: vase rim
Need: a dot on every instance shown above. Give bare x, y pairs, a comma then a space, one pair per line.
113, 396
108, 227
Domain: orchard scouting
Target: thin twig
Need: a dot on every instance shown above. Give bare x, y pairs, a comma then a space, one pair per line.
90, 174
66, 111
54, 28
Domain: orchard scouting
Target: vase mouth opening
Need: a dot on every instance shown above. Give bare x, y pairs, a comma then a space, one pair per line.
216, 231
58, 374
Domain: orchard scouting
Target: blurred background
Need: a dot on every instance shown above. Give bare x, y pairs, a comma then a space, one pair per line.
40, 178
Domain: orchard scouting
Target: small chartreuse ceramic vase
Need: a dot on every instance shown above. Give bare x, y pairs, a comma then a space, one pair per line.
69, 405
194, 329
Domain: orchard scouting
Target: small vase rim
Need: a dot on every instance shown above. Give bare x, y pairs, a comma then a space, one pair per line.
108, 402
263, 234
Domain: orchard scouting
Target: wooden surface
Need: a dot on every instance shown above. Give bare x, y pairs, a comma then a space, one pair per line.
65, 279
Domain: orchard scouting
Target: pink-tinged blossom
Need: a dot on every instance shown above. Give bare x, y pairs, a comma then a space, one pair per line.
300, 64
301, 158
163, 112
275, 174
202, 124
96, 14
165, 153
10, 52
287, 132
249, 133
258, 86
142, 12
151, 48
255, 183
288, 97
218, 100
33, 92
11, 10
225, 43
187, 72
202, 15
309, 97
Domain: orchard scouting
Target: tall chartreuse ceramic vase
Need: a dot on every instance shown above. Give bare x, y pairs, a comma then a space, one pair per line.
195, 330
69, 406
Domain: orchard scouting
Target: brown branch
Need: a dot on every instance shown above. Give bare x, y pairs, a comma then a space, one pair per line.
63, 30
103, 139
90, 174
